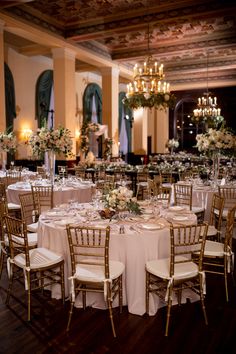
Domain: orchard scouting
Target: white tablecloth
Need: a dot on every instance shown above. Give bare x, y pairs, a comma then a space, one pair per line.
81, 193
133, 248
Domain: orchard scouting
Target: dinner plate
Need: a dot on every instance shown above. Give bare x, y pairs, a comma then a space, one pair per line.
55, 213
152, 226
180, 218
176, 208
64, 222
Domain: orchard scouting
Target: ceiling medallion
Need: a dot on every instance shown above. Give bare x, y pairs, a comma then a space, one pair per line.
207, 110
148, 88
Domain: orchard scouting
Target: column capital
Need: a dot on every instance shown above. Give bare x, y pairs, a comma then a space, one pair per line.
63, 53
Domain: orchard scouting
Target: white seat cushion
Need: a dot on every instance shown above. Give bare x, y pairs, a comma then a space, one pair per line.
33, 227
212, 231
95, 273
213, 248
161, 268
196, 209
32, 239
39, 258
12, 206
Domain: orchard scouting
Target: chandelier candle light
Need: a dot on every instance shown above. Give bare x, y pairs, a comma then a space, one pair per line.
148, 88
207, 110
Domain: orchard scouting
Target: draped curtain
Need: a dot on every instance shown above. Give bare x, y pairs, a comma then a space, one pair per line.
9, 97
43, 96
92, 112
124, 124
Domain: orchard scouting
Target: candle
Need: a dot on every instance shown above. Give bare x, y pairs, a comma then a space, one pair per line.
214, 100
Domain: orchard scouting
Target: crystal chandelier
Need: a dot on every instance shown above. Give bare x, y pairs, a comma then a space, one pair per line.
207, 110
148, 88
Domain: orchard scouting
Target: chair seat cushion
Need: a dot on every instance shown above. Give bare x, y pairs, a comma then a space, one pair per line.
32, 239
39, 258
212, 231
33, 227
95, 273
13, 206
213, 248
161, 268
196, 209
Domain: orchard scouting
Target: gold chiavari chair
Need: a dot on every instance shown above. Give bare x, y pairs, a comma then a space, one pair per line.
38, 267
91, 268
43, 197
178, 272
79, 172
183, 197
29, 211
215, 223
229, 194
63, 171
13, 208
4, 245
218, 256
41, 171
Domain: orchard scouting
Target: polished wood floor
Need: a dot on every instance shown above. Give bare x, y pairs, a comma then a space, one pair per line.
91, 333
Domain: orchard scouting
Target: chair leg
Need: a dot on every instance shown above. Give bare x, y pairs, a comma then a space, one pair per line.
28, 295
147, 291
70, 315
109, 304
1, 262
202, 300
225, 278
62, 283
120, 294
10, 285
169, 304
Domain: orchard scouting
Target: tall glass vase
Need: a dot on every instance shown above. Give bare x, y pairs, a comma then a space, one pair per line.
216, 167
51, 165
3, 160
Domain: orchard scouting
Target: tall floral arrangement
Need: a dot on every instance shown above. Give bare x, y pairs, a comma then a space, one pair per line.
56, 140
215, 141
84, 138
8, 142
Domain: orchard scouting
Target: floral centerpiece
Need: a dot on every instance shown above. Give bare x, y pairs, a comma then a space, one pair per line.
121, 199
84, 138
57, 140
8, 142
216, 141
172, 143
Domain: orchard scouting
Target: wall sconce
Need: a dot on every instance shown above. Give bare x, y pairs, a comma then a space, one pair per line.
77, 134
26, 134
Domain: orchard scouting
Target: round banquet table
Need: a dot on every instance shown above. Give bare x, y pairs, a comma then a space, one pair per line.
134, 247
80, 191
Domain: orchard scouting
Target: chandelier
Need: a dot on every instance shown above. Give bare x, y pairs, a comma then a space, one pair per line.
207, 110
148, 88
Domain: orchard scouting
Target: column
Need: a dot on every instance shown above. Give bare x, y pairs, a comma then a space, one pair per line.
162, 130
2, 81
110, 104
64, 89
140, 131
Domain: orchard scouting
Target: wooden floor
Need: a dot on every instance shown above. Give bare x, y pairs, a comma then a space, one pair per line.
91, 333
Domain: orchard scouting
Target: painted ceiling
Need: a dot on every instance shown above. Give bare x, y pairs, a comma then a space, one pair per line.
179, 33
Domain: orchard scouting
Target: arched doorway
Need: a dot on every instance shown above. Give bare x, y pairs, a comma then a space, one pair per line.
45, 99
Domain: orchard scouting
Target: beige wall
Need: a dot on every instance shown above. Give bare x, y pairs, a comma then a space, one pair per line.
25, 71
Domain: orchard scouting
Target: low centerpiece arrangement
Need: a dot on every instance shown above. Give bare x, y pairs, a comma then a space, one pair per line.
119, 200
